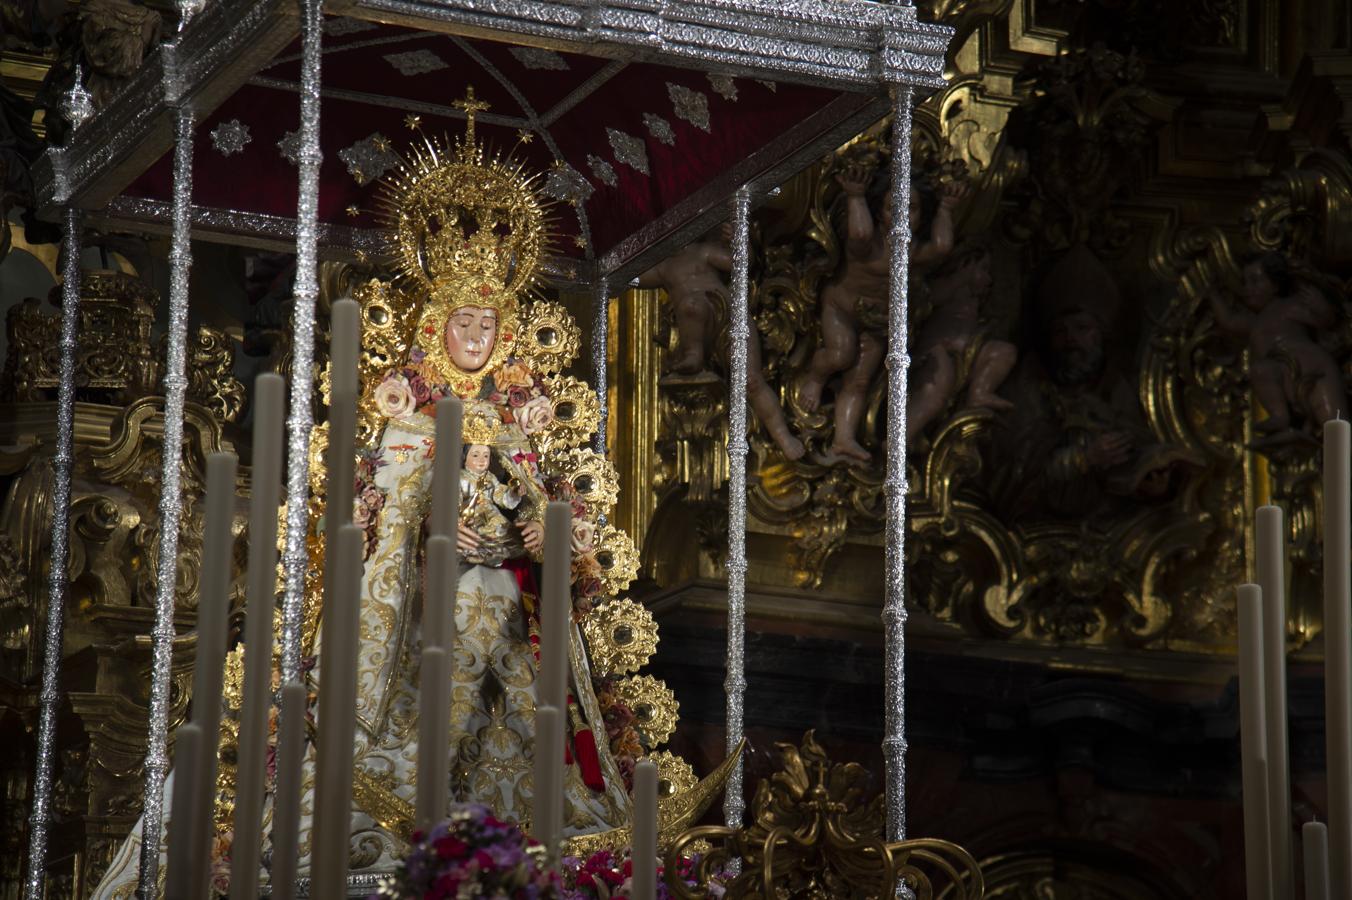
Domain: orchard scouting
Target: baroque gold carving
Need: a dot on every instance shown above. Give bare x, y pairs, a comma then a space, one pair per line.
812, 835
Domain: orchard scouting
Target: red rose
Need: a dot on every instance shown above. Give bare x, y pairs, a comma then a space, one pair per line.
484, 860
517, 397
450, 847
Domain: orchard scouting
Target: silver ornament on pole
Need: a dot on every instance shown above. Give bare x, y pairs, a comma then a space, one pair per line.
300, 417
895, 484
49, 695
734, 686
171, 505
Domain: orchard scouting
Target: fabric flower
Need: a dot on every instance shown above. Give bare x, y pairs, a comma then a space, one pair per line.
584, 535
422, 392
536, 415
513, 374
393, 398
517, 397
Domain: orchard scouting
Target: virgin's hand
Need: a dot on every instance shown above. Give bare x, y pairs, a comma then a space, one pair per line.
532, 535
466, 541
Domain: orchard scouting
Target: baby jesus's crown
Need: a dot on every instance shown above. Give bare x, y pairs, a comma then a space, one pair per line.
481, 425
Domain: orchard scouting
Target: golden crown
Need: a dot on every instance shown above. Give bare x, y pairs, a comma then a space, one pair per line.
464, 229
457, 215
480, 425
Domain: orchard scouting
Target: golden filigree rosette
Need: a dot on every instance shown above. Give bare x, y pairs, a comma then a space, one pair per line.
654, 706
618, 559
591, 475
674, 775
621, 636
577, 413
549, 337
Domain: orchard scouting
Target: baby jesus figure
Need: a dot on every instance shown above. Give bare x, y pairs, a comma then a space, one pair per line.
483, 498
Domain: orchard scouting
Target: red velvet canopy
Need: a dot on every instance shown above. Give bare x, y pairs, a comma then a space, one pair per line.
638, 139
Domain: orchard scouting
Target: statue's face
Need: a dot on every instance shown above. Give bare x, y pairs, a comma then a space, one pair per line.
476, 458
470, 334
1258, 287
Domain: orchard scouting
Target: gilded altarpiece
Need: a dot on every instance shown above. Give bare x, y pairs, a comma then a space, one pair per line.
1104, 497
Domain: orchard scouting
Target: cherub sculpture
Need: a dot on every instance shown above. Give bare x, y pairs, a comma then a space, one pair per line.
1292, 374
860, 287
952, 348
693, 280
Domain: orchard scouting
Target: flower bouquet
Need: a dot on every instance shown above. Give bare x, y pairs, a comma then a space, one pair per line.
607, 876
471, 854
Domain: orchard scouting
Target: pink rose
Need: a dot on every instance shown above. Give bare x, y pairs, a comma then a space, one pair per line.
517, 397
393, 398
536, 415
584, 535
361, 515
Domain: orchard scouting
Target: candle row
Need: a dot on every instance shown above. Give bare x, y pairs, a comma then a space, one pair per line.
1263, 718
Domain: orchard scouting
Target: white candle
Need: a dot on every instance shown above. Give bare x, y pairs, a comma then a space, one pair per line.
434, 737
1315, 840
1338, 651
337, 714
439, 597
1253, 744
268, 398
209, 668
287, 793
556, 617
644, 845
344, 347
1270, 541
446, 467
547, 806
184, 812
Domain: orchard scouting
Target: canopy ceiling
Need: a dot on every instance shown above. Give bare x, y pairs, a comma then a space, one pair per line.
640, 147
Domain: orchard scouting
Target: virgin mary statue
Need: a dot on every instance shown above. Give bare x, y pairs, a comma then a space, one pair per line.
467, 236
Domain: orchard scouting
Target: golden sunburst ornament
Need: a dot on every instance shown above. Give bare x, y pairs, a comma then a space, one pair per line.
465, 228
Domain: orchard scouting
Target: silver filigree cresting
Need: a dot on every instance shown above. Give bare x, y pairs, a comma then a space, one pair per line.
629, 150
49, 695
724, 86
289, 146
602, 171
567, 184
690, 105
369, 158
300, 418
734, 803
659, 128
538, 58
895, 484
171, 505
78, 104
416, 62
230, 137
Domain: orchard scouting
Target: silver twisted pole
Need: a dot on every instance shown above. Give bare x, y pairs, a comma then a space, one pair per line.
895, 485
171, 506
300, 419
734, 686
49, 696
600, 352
